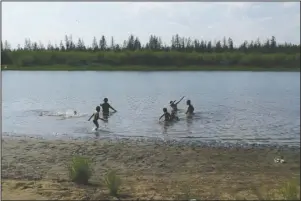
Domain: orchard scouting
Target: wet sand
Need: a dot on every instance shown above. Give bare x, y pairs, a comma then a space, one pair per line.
37, 169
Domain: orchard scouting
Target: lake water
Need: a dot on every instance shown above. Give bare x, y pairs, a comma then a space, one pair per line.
235, 107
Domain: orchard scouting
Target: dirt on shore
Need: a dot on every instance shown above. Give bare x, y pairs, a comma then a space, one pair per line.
37, 169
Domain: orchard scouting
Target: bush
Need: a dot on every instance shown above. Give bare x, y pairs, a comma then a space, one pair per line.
113, 182
79, 170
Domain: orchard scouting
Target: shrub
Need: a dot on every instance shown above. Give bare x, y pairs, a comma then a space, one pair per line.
79, 170
113, 182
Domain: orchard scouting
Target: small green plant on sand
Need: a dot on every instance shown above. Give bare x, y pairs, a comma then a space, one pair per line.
80, 170
113, 182
291, 191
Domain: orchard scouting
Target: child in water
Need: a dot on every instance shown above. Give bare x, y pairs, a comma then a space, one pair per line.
96, 117
174, 104
166, 115
105, 108
190, 108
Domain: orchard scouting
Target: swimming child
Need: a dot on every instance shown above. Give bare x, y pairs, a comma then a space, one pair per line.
166, 115
105, 108
190, 108
174, 104
96, 117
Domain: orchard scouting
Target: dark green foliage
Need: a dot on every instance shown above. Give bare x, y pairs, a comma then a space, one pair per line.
182, 52
113, 182
79, 170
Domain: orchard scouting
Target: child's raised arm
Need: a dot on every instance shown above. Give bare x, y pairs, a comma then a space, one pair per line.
180, 100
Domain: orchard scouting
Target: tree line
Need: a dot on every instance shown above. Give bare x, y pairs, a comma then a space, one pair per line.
181, 51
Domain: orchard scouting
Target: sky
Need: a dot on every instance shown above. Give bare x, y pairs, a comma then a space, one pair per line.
51, 21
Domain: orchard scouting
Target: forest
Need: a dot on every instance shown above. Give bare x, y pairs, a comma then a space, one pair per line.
181, 53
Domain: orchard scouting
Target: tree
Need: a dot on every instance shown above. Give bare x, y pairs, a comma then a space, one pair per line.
137, 44
27, 44
80, 45
67, 44
62, 47
103, 43
113, 44
94, 44
6, 47
230, 44
50, 46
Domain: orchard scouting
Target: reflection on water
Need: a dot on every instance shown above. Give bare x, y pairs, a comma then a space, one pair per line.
229, 107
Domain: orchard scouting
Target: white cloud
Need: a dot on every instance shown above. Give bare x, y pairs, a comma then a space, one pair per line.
238, 20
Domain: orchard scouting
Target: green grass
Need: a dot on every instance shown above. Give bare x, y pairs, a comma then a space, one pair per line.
288, 191
149, 68
291, 190
80, 170
113, 183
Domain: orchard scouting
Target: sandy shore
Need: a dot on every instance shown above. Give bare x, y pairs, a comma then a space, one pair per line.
37, 169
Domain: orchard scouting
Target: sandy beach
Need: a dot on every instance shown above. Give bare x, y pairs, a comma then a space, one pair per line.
37, 169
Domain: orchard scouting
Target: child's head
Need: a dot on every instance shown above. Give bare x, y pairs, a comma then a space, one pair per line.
97, 108
188, 102
171, 102
105, 100
75, 112
165, 110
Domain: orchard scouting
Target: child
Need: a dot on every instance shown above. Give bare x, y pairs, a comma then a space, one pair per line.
105, 108
96, 117
190, 108
174, 105
166, 115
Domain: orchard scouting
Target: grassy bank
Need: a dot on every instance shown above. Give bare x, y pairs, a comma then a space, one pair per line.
38, 169
148, 68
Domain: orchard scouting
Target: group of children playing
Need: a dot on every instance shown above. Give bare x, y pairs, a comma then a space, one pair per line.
168, 117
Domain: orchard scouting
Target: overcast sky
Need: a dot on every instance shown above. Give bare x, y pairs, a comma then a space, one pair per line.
45, 21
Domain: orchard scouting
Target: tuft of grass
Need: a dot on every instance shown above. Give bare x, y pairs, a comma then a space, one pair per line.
291, 191
80, 170
113, 182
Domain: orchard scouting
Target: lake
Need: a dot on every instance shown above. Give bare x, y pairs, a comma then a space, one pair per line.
231, 107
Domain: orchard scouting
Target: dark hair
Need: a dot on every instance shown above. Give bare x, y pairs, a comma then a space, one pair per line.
188, 101
171, 102
105, 100
165, 109
97, 108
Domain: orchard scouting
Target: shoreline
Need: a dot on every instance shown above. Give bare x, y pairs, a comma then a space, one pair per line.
158, 140
36, 169
147, 68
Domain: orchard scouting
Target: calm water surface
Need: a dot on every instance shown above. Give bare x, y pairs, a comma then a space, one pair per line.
239, 107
